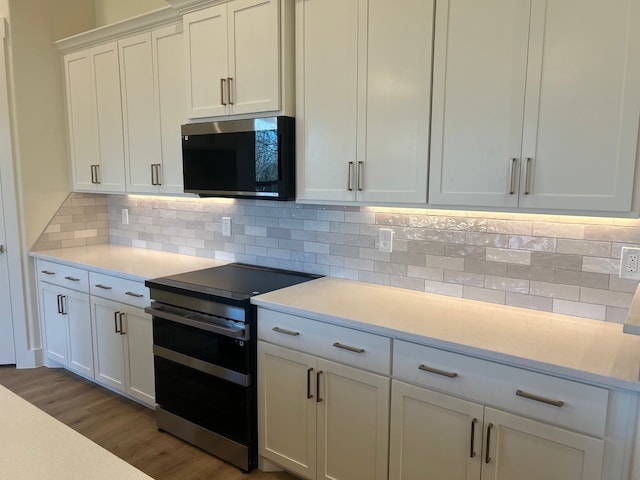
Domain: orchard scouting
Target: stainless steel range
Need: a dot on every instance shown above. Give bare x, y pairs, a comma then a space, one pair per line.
204, 335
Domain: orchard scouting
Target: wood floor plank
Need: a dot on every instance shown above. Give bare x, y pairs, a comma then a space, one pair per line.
125, 428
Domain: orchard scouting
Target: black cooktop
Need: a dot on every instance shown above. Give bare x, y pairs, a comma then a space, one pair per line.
236, 281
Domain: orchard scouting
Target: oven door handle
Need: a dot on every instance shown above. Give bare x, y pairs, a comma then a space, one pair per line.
227, 331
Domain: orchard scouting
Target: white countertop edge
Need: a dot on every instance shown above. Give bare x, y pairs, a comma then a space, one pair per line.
93, 268
512, 360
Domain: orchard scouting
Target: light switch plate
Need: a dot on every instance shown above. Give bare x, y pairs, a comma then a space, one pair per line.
226, 226
125, 216
385, 240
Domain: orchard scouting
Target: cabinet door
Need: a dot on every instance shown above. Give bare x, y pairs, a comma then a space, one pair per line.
77, 311
54, 324
328, 96
82, 119
140, 122
433, 436
254, 56
529, 450
478, 100
582, 105
287, 408
106, 80
169, 74
137, 329
108, 343
399, 55
353, 423
205, 34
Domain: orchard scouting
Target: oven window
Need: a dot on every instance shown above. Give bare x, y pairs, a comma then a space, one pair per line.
215, 404
209, 347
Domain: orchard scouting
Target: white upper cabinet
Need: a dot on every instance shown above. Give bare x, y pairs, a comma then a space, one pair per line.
531, 109
363, 123
152, 79
234, 58
95, 119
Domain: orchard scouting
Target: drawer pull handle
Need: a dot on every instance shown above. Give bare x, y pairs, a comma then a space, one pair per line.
437, 371
472, 449
73, 279
309, 394
487, 458
132, 294
347, 347
537, 398
120, 315
115, 322
318, 398
104, 287
47, 272
285, 331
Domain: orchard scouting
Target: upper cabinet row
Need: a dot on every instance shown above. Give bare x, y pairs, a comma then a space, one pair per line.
530, 107
126, 99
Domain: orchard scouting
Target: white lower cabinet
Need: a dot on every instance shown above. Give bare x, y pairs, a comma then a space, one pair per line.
123, 348
320, 419
440, 437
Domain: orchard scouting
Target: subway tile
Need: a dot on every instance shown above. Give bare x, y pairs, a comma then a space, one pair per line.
316, 269
315, 247
317, 226
447, 263
360, 217
255, 250
75, 242
406, 282
304, 213
332, 260
467, 224
529, 301
391, 268
467, 251
483, 294
554, 290
446, 236
304, 235
556, 260
374, 277
519, 257
331, 215
538, 244
526, 272
482, 266
507, 284
292, 245
601, 265
359, 264
344, 250
269, 222
327, 237
612, 233
409, 233
622, 284
584, 247
464, 278
487, 239
440, 288
605, 297
512, 227
579, 309
616, 314
431, 248
255, 231
279, 253
304, 257
340, 272
418, 259
359, 240
281, 233
426, 273
374, 254
350, 228
266, 242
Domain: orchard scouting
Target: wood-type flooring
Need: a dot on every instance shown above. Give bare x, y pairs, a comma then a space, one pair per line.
120, 425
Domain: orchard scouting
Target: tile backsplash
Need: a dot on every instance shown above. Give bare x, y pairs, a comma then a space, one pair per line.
555, 263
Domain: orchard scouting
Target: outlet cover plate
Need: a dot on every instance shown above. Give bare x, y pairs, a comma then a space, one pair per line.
629, 267
226, 226
385, 240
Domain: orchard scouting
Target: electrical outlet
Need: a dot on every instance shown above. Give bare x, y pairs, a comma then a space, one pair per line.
629, 263
125, 216
385, 240
226, 226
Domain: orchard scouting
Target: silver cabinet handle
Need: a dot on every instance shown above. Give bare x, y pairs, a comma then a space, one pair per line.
2, 250
318, 398
47, 272
115, 322
158, 174
309, 394
133, 294
95, 174
153, 174
104, 287
229, 90
120, 315
72, 279
472, 452
527, 177
537, 398
360, 175
437, 371
59, 299
512, 184
350, 177
222, 89
285, 331
347, 347
487, 458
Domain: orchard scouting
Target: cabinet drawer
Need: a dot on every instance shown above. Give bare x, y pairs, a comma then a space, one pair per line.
63, 275
583, 407
119, 289
343, 345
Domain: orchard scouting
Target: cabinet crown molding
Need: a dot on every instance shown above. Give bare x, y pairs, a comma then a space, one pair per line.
186, 6
156, 18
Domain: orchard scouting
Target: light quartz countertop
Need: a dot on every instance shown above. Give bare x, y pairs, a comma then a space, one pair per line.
128, 262
571, 347
37, 446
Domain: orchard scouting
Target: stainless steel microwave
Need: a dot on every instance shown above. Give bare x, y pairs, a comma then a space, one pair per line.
252, 158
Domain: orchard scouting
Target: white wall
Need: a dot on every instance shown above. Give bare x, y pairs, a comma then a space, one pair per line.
111, 11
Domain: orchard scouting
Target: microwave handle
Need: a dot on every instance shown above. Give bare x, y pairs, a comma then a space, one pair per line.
279, 159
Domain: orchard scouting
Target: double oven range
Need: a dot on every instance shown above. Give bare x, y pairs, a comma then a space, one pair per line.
205, 353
